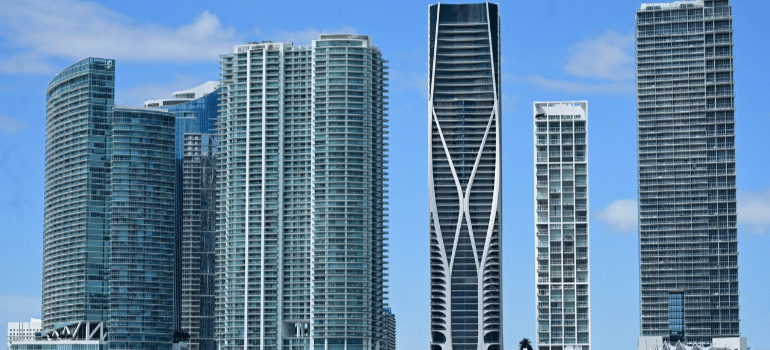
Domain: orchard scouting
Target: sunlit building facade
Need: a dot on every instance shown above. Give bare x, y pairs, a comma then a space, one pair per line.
688, 242
561, 226
301, 211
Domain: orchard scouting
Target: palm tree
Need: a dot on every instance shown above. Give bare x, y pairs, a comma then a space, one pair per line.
525, 345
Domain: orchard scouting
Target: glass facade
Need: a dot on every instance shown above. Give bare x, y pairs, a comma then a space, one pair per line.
301, 224
675, 317
688, 235
465, 177
195, 221
561, 225
108, 225
141, 228
76, 244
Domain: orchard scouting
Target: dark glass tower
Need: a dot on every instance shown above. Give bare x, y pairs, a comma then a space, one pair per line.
195, 203
141, 228
465, 177
688, 235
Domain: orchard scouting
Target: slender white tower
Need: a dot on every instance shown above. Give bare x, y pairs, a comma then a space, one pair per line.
561, 226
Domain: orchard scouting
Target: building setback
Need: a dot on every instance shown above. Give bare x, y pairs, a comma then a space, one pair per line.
465, 172
688, 242
561, 225
195, 210
301, 211
108, 222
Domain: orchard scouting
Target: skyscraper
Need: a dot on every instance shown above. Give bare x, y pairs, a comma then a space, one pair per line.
301, 223
141, 228
195, 210
465, 172
108, 225
688, 238
561, 225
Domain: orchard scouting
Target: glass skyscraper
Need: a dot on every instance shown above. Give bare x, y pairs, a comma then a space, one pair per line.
561, 225
195, 210
141, 228
465, 170
301, 212
688, 236
108, 225
76, 245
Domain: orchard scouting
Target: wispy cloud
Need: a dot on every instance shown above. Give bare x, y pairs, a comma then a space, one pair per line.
10, 125
35, 31
606, 57
621, 215
605, 60
26, 62
604, 88
754, 211
72, 29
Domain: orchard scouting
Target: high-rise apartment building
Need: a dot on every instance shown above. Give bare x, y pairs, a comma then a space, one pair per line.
301, 211
465, 170
108, 222
561, 226
688, 240
195, 210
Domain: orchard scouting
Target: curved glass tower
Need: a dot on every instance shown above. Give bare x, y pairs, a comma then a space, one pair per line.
301, 223
465, 177
76, 241
109, 214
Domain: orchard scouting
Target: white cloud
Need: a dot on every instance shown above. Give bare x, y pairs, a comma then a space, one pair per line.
72, 29
35, 31
754, 211
621, 215
28, 62
10, 125
606, 57
607, 88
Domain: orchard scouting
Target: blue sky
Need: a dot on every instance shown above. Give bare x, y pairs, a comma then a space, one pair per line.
551, 50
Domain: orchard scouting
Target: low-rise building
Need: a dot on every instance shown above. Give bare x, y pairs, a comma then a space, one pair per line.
23, 330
